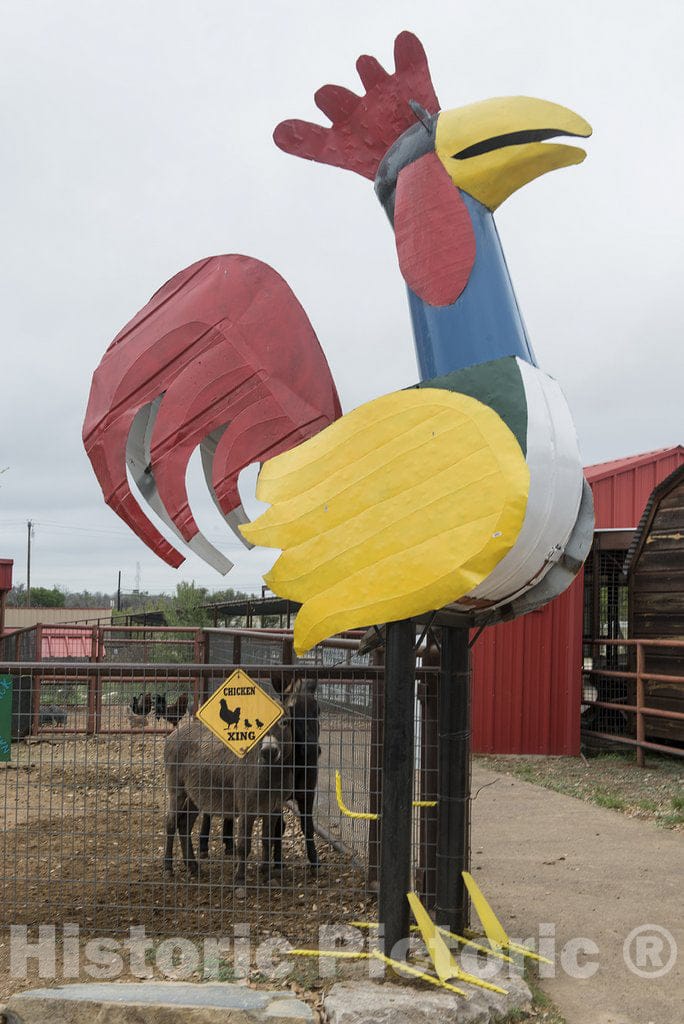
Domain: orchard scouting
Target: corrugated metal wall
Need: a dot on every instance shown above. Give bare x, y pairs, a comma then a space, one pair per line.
525, 698
527, 674
622, 488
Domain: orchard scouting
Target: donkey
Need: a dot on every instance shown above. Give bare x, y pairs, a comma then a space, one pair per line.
306, 752
202, 774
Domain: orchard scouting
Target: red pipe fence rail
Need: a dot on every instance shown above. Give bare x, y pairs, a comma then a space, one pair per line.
641, 677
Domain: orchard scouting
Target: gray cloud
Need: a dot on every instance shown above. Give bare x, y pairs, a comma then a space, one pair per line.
137, 138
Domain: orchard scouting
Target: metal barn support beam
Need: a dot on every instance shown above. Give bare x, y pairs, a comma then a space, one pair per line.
397, 782
453, 786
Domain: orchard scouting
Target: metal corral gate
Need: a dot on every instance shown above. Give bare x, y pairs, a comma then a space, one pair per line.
83, 798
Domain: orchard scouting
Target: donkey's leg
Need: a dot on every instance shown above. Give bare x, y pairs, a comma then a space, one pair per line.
272, 842
305, 802
243, 843
177, 804
205, 832
228, 824
171, 824
186, 819
277, 827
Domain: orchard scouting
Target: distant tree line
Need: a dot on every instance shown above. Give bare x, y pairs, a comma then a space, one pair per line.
184, 608
41, 597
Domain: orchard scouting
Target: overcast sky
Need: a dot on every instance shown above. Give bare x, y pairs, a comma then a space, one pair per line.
136, 139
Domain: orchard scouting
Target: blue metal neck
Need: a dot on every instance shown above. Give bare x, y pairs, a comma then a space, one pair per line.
484, 323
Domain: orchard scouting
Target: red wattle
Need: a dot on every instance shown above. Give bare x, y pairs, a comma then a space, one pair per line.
433, 231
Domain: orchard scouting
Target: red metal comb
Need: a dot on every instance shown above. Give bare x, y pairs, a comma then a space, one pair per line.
364, 127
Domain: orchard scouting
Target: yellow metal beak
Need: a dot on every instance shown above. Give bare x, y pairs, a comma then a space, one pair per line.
491, 149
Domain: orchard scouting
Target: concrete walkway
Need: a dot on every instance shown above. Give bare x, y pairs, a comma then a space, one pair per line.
542, 858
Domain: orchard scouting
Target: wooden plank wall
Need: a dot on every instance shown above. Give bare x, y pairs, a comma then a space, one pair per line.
657, 606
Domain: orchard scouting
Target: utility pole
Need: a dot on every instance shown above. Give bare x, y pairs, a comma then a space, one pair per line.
118, 593
28, 564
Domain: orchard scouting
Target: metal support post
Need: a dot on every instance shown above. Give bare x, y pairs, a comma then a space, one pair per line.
397, 782
453, 805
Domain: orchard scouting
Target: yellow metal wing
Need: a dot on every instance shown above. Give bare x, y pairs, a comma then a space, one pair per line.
403, 505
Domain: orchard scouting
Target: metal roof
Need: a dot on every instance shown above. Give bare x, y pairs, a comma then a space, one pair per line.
622, 487
243, 606
601, 470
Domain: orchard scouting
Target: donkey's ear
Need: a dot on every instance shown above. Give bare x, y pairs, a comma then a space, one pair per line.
433, 232
291, 691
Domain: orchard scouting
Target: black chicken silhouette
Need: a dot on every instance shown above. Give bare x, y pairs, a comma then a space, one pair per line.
248, 724
260, 725
231, 718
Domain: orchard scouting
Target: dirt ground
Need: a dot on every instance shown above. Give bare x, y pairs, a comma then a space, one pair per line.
83, 835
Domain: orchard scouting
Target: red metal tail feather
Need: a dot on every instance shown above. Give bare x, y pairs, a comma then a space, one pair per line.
222, 356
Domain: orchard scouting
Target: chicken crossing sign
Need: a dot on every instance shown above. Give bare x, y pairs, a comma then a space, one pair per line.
240, 712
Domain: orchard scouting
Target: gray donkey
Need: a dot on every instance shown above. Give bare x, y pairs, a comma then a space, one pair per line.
202, 774
302, 701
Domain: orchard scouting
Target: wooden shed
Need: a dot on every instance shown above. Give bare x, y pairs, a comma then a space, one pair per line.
655, 570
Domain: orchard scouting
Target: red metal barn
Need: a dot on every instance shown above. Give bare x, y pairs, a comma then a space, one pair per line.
527, 674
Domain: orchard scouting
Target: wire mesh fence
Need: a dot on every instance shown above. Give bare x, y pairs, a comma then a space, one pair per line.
86, 794
606, 615
20, 645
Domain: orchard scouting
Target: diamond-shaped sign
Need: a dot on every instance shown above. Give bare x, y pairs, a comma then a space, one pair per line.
240, 712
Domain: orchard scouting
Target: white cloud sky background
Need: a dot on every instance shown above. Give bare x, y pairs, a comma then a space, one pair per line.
136, 139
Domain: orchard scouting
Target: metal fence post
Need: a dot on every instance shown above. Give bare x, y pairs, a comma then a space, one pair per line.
375, 777
91, 726
640, 701
99, 648
453, 804
36, 683
397, 782
429, 772
200, 655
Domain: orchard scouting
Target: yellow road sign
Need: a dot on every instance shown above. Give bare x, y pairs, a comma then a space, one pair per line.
240, 712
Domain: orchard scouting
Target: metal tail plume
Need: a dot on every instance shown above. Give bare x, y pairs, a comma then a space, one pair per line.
197, 366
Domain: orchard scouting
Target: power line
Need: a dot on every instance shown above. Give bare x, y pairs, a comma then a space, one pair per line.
216, 532
46, 523
83, 529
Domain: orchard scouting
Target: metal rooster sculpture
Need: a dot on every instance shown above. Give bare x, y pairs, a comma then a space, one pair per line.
466, 490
